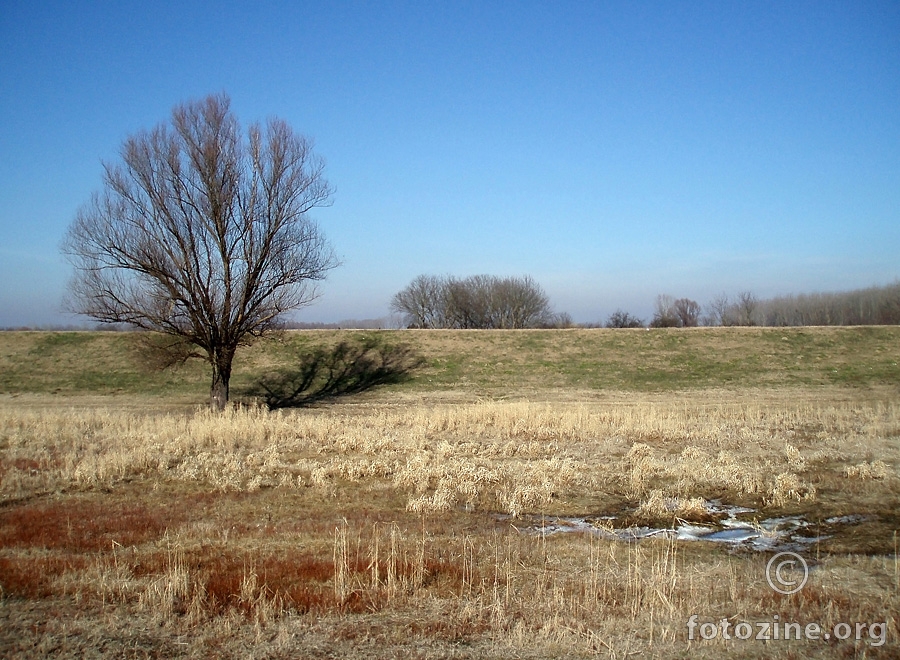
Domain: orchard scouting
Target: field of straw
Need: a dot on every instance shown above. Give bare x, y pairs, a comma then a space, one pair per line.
426, 516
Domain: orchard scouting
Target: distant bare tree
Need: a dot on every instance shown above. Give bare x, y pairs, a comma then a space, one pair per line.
560, 321
465, 303
664, 316
687, 312
203, 233
884, 305
421, 302
620, 319
519, 302
717, 311
746, 307
480, 301
473, 302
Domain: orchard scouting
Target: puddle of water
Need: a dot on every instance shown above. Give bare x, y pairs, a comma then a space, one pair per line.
773, 534
846, 520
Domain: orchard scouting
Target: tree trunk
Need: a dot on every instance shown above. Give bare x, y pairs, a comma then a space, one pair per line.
221, 368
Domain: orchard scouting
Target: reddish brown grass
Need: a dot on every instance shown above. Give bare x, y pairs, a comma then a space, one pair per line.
80, 525
30, 576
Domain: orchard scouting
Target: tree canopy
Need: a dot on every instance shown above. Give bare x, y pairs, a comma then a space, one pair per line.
203, 232
479, 301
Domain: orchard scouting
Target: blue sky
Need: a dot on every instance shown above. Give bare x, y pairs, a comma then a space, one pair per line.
612, 150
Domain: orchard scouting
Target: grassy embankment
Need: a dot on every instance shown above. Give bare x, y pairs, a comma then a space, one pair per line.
133, 521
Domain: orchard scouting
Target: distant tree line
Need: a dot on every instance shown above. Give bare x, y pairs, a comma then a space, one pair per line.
870, 306
879, 305
486, 301
480, 301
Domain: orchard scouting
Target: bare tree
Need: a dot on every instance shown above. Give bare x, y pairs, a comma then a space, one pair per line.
479, 301
203, 233
421, 303
519, 303
718, 311
471, 302
462, 309
620, 319
687, 312
746, 307
664, 316
560, 321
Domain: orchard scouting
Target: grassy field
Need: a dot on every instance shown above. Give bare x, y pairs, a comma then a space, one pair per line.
460, 494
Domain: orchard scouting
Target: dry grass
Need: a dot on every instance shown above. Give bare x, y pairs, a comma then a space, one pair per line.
509, 456
253, 521
397, 523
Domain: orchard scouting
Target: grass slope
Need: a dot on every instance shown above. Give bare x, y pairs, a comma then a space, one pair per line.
485, 363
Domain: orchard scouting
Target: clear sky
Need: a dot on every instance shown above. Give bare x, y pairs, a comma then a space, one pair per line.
612, 150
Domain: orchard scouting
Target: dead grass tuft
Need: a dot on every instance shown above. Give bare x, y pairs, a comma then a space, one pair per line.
789, 487
660, 507
866, 470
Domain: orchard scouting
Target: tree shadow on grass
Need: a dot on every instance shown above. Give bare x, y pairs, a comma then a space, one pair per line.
350, 367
